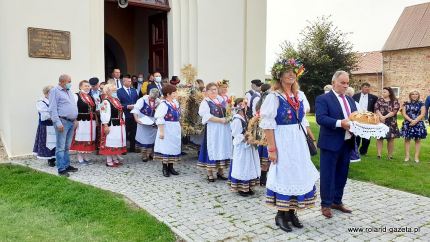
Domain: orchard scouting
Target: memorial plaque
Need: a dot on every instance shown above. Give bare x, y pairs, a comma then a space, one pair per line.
48, 43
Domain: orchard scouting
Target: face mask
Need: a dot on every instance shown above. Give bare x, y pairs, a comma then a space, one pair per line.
115, 95
68, 86
158, 78
140, 80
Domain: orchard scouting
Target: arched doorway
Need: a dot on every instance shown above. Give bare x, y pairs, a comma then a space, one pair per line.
114, 56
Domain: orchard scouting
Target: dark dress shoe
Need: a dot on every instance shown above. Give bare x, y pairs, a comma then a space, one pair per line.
326, 212
63, 173
281, 220
341, 208
166, 172
151, 157
294, 219
51, 162
221, 177
250, 192
144, 160
243, 194
71, 169
172, 170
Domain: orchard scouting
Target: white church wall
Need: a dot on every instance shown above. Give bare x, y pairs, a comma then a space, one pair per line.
23, 77
222, 39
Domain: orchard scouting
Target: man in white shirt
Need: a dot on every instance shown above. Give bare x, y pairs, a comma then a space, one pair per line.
367, 101
116, 74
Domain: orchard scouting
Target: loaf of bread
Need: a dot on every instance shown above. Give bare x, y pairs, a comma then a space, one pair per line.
364, 117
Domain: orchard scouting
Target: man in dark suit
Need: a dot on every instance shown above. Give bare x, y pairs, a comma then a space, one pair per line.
128, 96
335, 142
367, 102
156, 83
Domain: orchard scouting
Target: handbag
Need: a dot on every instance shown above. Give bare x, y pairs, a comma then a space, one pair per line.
312, 148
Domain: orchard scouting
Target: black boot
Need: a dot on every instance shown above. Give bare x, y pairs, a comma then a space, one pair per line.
263, 178
281, 220
166, 172
51, 162
172, 170
294, 219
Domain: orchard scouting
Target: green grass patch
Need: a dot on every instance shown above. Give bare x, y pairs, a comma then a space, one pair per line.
406, 176
35, 206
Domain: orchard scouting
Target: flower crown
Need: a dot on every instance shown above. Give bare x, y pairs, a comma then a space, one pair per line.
223, 83
282, 66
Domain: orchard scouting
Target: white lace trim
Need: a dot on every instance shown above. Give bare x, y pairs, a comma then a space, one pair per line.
292, 190
369, 130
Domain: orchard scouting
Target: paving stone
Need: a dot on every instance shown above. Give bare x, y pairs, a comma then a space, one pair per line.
203, 211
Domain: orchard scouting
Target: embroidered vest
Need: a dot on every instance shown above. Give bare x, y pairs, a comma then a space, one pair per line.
217, 111
172, 114
286, 115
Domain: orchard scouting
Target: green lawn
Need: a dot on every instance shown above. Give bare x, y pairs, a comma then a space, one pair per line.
397, 174
39, 207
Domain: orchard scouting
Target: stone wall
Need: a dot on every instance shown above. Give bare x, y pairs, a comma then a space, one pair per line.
409, 70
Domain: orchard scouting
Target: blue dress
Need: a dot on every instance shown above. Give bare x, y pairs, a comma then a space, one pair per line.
419, 131
216, 148
40, 148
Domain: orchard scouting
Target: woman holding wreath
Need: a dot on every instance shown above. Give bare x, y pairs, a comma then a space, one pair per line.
292, 175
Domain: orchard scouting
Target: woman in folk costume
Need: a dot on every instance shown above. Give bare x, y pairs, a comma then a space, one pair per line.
45, 142
84, 140
245, 165
113, 135
167, 146
292, 175
223, 90
143, 112
216, 149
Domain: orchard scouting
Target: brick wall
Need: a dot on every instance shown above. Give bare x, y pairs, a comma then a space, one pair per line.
374, 79
409, 70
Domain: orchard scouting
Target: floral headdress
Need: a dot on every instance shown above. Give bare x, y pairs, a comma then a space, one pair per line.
282, 66
223, 83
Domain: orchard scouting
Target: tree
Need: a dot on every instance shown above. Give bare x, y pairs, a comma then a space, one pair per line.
323, 49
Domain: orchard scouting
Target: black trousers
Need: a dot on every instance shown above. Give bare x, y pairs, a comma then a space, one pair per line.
364, 144
130, 129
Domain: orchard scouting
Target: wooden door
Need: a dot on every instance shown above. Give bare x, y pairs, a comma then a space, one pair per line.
158, 60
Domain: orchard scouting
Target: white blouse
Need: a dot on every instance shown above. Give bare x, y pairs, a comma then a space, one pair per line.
161, 111
140, 102
237, 129
204, 109
43, 109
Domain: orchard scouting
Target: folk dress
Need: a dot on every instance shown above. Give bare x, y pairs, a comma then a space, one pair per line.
245, 165
291, 180
45, 141
168, 150
111, 113
84, 139
216, 148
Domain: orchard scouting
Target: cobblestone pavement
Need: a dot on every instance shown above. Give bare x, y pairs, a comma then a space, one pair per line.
200, 211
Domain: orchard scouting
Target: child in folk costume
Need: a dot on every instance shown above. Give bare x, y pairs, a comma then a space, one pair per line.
262, 150
45, 142
216, 149
167, 146
292, 176
113, 135
143, 112
84, 140
245, 165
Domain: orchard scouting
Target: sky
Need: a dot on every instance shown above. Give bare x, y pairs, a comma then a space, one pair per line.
369, 21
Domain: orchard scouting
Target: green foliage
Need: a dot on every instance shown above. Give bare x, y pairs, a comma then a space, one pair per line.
323, 49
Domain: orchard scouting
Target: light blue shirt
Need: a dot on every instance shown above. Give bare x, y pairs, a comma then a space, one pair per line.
62, 104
